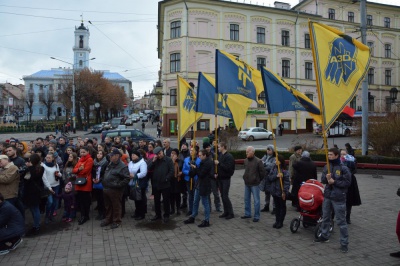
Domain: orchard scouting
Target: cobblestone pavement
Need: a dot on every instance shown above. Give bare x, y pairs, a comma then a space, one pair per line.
225, 242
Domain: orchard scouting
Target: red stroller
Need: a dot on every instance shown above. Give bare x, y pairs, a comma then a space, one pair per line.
311, 197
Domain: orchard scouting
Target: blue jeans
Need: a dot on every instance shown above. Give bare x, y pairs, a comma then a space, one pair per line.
340, 214
52, 202
36, 216
255, 190
190, 194
196, 203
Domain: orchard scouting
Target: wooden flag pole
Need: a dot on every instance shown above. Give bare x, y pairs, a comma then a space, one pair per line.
276, 157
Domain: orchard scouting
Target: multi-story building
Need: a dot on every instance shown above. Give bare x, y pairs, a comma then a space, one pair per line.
276, 37
47, 84
12, 99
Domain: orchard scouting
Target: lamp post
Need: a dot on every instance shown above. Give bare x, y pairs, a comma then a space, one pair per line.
73, 87
393, 96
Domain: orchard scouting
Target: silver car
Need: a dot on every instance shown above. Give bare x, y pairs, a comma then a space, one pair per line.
254, 133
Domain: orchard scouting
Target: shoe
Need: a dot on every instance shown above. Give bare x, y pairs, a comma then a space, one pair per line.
178, 213
219, 210
348, 221
265, 209
165, 220
155, 218
279, 225
64, 219
321, 240
82, 221
223, 215
172, 212
188, 213
134, 216
183, 206
4, 252
344, 249
34, 231
104, 223
273, 211
245, 217
189, 221
68, 220
54, 213
230, 216
16, 244
395, 254
139, 218
274, 225
114, 225
255, 220
204, 224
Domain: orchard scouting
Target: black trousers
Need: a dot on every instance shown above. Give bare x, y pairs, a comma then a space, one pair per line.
98, 195
141, 205
280, 209
157, 201
84, 199
175, 201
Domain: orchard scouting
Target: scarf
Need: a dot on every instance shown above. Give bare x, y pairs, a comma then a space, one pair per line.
49, 164
335, 161
100, 163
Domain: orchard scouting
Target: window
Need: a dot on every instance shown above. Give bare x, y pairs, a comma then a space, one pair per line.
234, 32
310, 96
203, 124
175, 62
261, 96
369, 20
388, 104
388, 50
260, 63
331, 13
307, 43
350, 16
371, 72
172, 97
285, 38
371, 47
175, 29
59, 87
371, 102
80, 41
260, 35
388, 77
353, 103
386, 22
30, 86
308, 70
80, 63
40, 111
285, 68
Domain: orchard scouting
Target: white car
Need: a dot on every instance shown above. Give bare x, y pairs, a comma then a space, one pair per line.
253, 133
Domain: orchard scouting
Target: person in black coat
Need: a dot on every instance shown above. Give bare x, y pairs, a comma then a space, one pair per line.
12, 226
305, 169
205, 173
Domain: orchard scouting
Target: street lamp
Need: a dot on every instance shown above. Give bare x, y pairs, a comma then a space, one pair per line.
73, 87
393, 94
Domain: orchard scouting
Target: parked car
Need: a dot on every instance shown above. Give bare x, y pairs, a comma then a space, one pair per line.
128, 122
254, 133
116, 121
106, 125
97, 128
121, 127
145, 118
135, 118
134, 134
339, 129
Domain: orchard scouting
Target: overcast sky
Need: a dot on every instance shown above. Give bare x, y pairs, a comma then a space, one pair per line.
123, 37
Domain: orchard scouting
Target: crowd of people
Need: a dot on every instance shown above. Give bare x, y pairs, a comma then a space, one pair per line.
48, 173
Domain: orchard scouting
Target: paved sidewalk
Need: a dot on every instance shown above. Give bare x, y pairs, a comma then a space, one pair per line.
225, 242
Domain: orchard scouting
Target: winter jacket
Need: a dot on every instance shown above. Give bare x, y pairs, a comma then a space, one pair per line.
254, 171
305, 169
275, 184
49, 178
226, 166
87, 163
33, 186
342, 176
163, 171
139, 169
205, 173
9, 181
116, 176
12, 223
186, 168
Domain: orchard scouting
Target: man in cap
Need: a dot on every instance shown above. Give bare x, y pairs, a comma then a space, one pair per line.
163, 170
116, 178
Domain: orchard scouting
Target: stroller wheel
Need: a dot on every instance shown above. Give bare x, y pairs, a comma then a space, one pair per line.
306, 224
294, 225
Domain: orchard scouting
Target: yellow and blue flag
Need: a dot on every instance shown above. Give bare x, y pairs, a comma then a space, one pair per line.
281, 97
228, 105
341, 63
237, 77
187, 114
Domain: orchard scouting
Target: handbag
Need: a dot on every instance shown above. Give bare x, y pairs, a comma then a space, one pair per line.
135, 193
81, 181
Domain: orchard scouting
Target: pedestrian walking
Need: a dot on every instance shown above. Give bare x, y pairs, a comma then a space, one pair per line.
143, 126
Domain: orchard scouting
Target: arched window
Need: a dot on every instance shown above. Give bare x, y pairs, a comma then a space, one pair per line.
81, 41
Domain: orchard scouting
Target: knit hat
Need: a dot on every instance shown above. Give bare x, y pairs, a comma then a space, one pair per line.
305, 154
53, 141
271, 147
68, 186
157, 150
137, 153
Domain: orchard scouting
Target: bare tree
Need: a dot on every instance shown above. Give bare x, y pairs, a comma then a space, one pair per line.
46, 97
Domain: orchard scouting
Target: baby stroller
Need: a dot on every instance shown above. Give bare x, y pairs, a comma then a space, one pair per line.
311, 197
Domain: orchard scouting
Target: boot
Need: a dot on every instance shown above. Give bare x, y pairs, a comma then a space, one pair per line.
265, 209
204, 224
273, 211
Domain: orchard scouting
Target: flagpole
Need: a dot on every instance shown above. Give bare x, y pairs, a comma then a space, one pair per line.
216, 131
276, 155
179, 111
324, 133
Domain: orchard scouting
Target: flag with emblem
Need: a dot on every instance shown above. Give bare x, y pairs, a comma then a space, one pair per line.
187, 115
281, 97
234, 76
341, 63
232, 106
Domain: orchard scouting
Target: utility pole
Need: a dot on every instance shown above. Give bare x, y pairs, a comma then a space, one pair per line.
364, 132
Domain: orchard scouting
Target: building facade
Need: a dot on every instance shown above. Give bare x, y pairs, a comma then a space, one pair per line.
275, 37
12, 100
46, 85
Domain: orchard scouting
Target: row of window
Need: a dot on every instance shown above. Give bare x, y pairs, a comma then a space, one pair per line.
41, 86
350, 18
